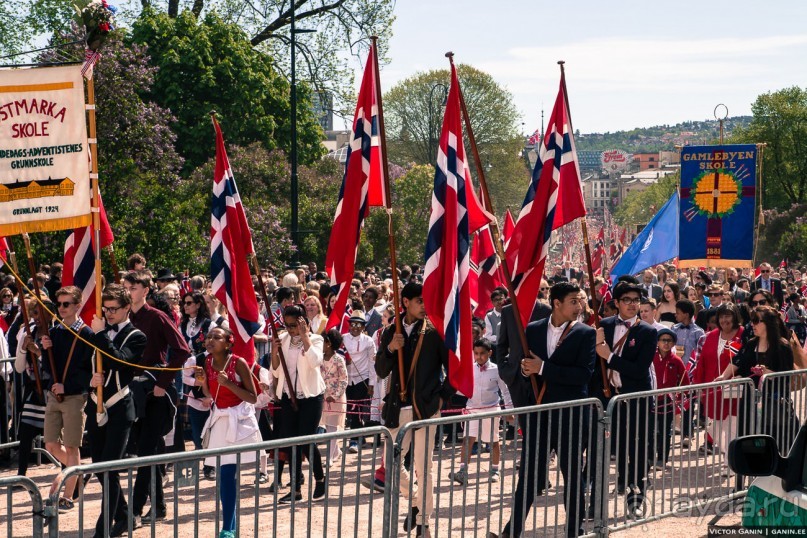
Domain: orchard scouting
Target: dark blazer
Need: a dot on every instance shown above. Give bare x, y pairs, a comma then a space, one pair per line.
572, 273
554, 279
776, 288
634, 363
655, 292
128, 346
567, 372
374, 323
509, 354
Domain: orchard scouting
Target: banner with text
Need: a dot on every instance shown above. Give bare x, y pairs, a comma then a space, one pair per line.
718, 200
44, 162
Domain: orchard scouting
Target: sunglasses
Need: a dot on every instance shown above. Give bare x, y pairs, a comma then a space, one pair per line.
65, 304
7, 296
666, 340
110, 309
544, 289
765, 271
756, 321
761, 302
187, 303
292, 325
718, 294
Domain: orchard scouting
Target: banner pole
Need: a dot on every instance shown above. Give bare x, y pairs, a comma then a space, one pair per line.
96, 227
494, 228
396, 294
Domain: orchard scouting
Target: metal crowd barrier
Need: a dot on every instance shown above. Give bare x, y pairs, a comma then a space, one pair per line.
22, 518
782, 406
653, 472
348, 509
563, 437
655, 438
8, 401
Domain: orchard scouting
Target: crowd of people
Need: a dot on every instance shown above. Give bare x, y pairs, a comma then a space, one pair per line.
168, 374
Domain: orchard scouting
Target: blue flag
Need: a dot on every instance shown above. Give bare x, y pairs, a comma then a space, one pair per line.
657, 243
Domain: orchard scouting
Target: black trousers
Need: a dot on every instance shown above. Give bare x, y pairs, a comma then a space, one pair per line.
634, 432
566, 432
108, 443
149, 441
663, 425
26, 435
304, 421
358, 414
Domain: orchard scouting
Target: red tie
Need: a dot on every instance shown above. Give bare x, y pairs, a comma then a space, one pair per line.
627, 324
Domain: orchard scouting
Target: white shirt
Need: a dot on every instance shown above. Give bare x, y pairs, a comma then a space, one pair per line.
487, 385
553, 335
362, 352
489, 334
620, 330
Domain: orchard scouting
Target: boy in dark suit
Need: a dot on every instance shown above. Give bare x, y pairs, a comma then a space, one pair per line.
628, 345
562, 353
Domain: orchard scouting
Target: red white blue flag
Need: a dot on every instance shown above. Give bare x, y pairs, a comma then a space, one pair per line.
486, 273
230, 245
455, 214
554, 198
363, 186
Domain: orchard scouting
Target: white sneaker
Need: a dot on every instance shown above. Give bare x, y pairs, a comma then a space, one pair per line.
494, 475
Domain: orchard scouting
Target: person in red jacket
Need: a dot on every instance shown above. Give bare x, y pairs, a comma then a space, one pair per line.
670, 373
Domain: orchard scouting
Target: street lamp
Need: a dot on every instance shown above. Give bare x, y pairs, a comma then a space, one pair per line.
295, 195
432, 143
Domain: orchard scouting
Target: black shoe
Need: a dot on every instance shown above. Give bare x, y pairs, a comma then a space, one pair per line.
423, 531
119, 528
409, 522
319, 491
161, 514
209, 472
286, 499
273, 487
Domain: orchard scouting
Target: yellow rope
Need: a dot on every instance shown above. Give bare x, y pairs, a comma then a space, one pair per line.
99, 350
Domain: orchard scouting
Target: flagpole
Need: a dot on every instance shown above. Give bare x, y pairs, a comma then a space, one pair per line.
96, 225
382, 142
606, 389
12, 256
42, 326
271, 322
494, 228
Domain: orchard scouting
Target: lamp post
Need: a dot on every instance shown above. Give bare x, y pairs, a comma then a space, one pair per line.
295, 195
432, 146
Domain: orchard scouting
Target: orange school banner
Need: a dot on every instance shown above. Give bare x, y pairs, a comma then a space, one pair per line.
44, 161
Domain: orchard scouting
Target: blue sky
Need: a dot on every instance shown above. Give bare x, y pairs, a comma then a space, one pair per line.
628, 63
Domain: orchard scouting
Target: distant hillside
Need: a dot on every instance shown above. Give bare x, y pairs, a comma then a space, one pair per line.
661, 137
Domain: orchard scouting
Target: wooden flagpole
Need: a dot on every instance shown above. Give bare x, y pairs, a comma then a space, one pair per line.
270, 320
42, 326
494, 228
606, 390
396, 294
12, 256
96, 226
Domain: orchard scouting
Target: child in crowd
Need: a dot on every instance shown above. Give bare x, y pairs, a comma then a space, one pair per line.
487, 387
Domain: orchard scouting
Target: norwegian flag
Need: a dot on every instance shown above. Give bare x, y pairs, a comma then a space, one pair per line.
534, 138
79, 261
3, 251
554, 198
344, 326
230, 244
598, 257
485, 275
277, 319
455, 214
363, 186
509, 225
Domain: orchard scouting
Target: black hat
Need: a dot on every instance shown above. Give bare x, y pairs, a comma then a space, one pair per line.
669, 333
705, 278
165, 275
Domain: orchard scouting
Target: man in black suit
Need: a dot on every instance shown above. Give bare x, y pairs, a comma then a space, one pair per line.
772, 285
509, 354
653, 291
557, 276
108, 436
369, 298
562, 353
570, 272
628, 345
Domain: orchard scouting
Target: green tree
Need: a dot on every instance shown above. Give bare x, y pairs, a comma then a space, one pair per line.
783, 235
780, 121
414, 117
639, 207
210, 65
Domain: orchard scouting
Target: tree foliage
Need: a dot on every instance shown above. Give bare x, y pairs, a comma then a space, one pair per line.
784, 235
414, 117
210, 65
639, 207
780, 121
